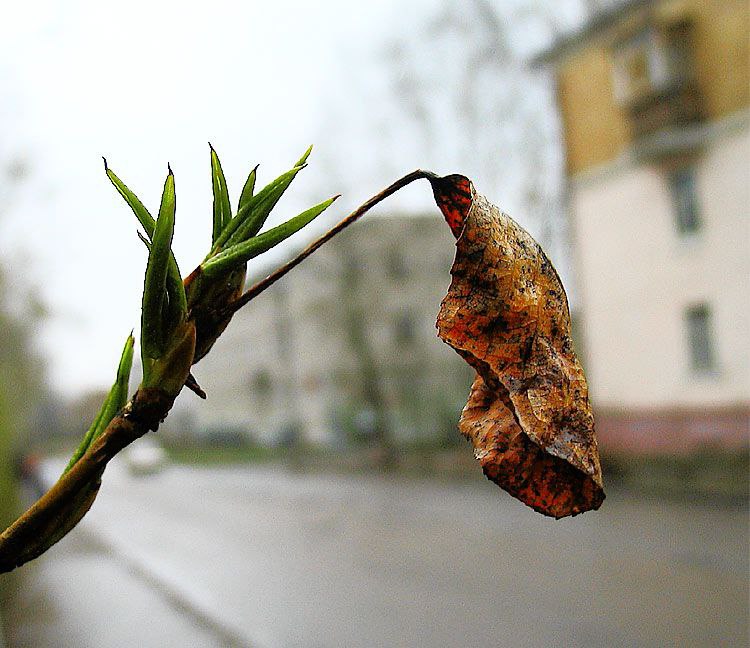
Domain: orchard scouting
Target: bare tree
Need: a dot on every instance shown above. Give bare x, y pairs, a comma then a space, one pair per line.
451, 90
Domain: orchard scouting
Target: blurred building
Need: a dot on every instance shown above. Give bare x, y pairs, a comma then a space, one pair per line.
344, 348
654, 102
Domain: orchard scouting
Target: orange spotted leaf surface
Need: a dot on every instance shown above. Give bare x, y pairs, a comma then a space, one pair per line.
506, 313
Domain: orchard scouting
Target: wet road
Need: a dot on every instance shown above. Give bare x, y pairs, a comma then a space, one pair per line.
256, 556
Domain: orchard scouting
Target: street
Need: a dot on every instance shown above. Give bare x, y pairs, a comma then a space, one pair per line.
262, 556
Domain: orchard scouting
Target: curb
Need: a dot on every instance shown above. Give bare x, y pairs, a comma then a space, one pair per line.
153, 575
170, 588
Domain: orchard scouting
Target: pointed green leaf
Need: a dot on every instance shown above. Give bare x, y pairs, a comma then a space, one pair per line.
253, 214
115, 401
89, 436
305, 155
260, 206
174, 280
242, 252
177, 300
222, 207
141, 213
176, 297
154, 313
259, 214
176, 311
248, 189
145, 241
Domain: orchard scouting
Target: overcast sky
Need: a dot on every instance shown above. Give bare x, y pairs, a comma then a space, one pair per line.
149, 82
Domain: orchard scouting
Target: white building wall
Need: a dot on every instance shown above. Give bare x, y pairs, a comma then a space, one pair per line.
296, 334
637, 275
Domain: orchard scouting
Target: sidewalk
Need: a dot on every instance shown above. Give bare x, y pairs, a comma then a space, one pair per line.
88, 592
111, 604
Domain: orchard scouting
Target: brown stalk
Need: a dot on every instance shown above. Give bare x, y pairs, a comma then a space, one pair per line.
62, 506
277, 274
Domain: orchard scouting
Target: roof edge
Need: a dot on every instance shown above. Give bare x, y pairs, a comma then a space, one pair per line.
575, 40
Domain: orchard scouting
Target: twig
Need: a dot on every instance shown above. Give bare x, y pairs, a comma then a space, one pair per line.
51, 517
277, 274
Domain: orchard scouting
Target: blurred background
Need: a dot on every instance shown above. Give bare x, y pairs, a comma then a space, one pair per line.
322, 495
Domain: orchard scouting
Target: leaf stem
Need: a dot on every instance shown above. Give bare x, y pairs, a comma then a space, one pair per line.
277, 274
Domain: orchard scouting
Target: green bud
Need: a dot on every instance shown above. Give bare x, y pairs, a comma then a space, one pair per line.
141, 213
169, 372
178, 304
153, 315
240, 253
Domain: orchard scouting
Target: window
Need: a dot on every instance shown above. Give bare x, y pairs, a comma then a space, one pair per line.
655, 59
405, 332
261, 382
685, 201
700, 338
396, 268
632, 63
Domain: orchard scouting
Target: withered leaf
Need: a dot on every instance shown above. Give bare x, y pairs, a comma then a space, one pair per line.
506, 313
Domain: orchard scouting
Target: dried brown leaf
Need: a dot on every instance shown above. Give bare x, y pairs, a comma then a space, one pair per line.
506, 313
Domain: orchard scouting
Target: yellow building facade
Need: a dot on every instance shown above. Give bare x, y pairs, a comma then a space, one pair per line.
654, 100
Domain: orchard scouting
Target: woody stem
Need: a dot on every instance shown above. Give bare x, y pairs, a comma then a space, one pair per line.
277, 274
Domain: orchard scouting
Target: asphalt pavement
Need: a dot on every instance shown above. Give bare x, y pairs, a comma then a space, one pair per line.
264, 557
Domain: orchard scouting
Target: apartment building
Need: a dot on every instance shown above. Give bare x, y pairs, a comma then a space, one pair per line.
345, 346
654, 104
